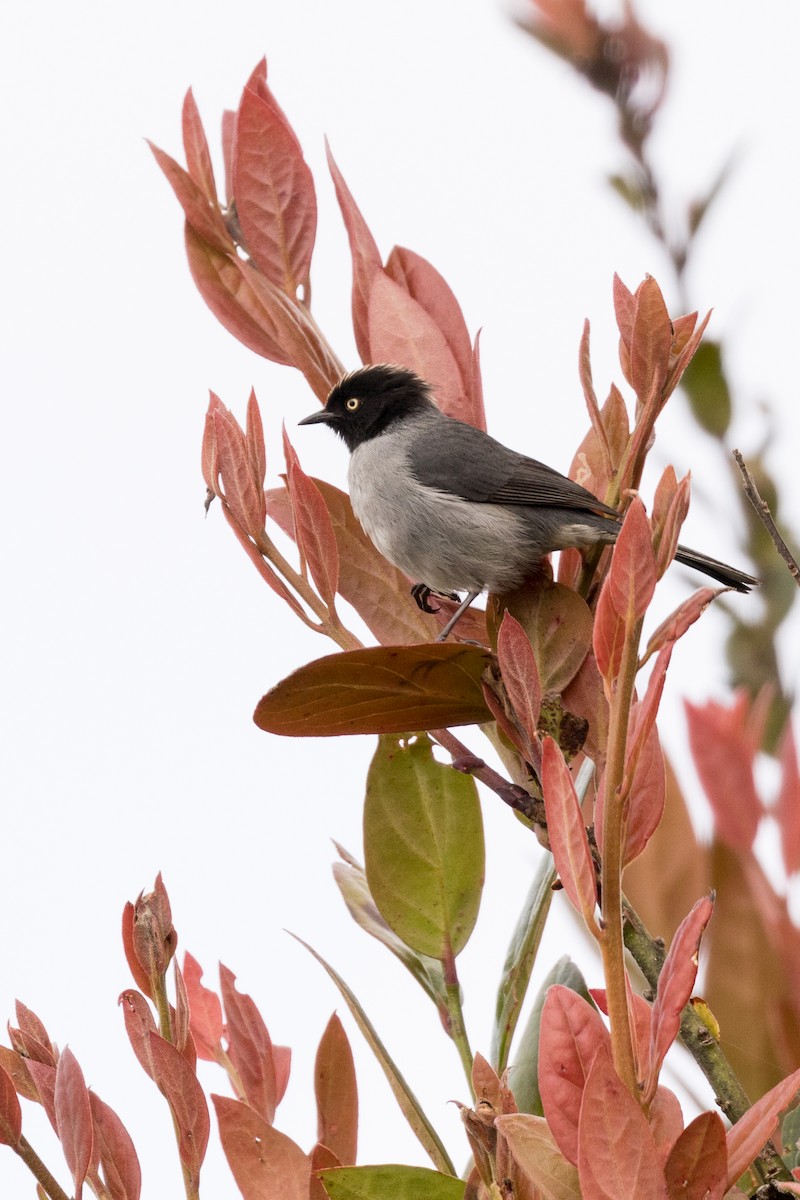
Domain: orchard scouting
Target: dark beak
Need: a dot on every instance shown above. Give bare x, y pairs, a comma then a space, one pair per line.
323, 417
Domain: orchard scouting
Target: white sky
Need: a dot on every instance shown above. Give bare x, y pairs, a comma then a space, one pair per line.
137, 637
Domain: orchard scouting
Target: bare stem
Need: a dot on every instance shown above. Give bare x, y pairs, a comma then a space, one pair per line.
611, 942
455, 1015
470, 764
765, 516
34, 1164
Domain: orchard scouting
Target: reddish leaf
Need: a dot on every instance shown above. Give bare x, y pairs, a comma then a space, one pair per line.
667, 540
389, 689
558, 623
424, 283
34, 1029
684, 616
241, 492
282, 1058
651, 341
747, 1137
15, 1066
195, 145
401, 331
631, 578
681, 362
202, 214
675, 984
137, 970
365, 255
10, 1111
378, 592
153, 935
697, 1168
787, 806
666, 1122
617, 1153
520, 674
266, 1164
181, 1035
274, 190
648, 789
645, 713
250, 1047
625, 310
321, 1160
254, 440
118, 1158
596, 459
73, 1118
609, 635
535, 1154
179, 1084
262, 566
228, 131
336, 1093
139, 1024
584, 696
44, 1079
571, 1033
723, 755
567, 832
313, 528
205, 1010
232, 299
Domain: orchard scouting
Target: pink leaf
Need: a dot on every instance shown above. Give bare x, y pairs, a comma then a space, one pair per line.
313, 528
424, 283
520, 674
232, 299
118, 1158
44, 1079
205, 1010
684, 616
254, 440
179, 1084
73, 1118
617, 1153
195, 145
631, 578
651, 342
648, 789
250, 1047
668, 539
266, 1164
567, 832
570, 1034
723, 755
364, 253
274, 191
242, 495
10, 1111
697, 1168
608, 636
666, 1121
675, 984
746, 1138
200, 212
401, 331
139, 1024
336, 1094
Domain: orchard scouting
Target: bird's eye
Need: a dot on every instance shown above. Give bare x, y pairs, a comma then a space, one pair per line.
352, 403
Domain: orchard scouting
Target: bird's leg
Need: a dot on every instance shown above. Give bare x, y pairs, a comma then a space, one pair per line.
457, 615
422, 593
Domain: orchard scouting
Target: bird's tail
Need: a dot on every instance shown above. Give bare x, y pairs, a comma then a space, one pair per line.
731, 577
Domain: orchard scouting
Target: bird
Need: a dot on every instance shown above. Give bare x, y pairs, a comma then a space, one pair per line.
452, 507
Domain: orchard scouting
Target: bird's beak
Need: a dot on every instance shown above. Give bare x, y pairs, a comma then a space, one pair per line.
322, 417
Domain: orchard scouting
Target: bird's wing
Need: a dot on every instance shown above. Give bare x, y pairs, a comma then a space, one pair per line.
460, 459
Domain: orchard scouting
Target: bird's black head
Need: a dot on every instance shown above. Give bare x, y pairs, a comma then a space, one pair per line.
366, 402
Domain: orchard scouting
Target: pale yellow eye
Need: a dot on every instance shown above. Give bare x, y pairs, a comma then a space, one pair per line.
352, 403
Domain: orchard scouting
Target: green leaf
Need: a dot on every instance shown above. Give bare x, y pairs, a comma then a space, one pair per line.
352, 883
409, 1105
382, 689
423, 846
707, 389
390, 1183
520, 958
790, 1137
523, 1075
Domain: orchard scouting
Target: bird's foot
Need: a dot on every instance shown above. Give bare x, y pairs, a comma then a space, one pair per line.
422, 594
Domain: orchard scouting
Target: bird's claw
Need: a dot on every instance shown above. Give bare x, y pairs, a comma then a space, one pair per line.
422, 594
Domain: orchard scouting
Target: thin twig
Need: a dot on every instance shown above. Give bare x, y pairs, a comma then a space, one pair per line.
469, 764
765, 517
